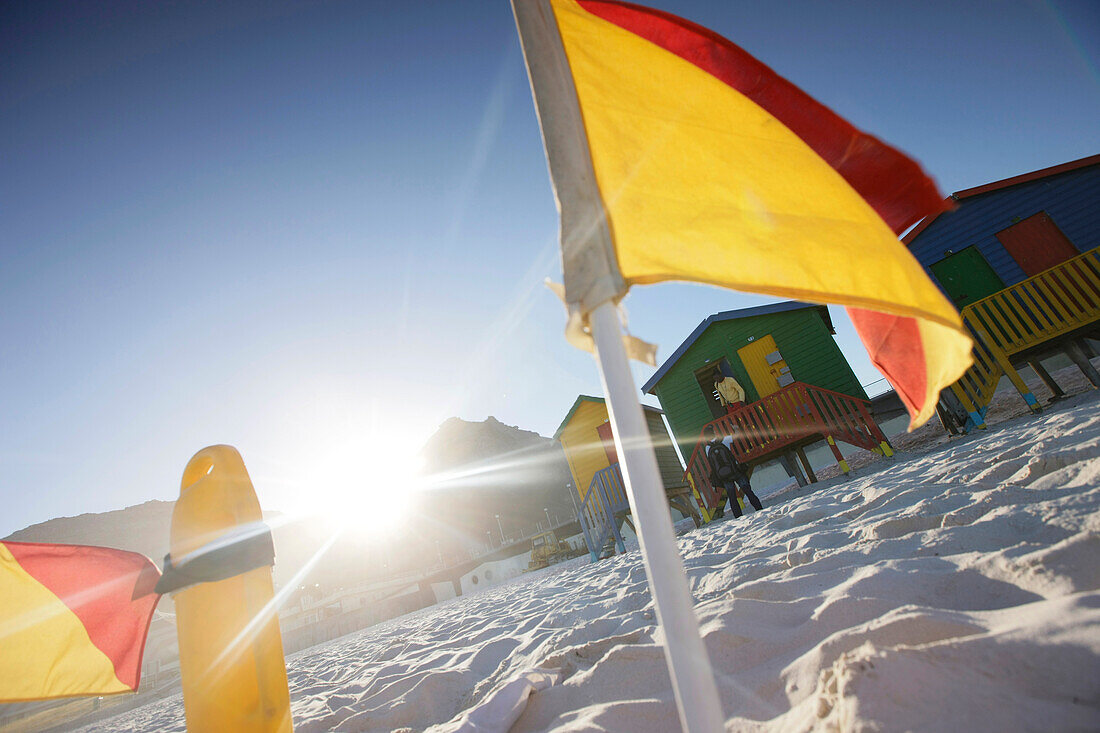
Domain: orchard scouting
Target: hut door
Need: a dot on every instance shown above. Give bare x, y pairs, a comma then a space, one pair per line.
966, 277
705, 378
765, 365
1037, 244
608, 440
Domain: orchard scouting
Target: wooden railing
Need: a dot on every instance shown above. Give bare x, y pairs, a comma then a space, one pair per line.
795, 415
604, 505
1048, 305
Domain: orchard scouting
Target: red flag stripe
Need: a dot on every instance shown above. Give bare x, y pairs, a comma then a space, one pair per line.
97, 585
895, 346
893, 184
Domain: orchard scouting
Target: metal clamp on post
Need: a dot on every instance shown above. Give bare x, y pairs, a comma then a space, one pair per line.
224, 558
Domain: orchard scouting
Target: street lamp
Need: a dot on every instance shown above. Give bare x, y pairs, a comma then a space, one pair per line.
549, 524
489, 534
501, 528
573, 497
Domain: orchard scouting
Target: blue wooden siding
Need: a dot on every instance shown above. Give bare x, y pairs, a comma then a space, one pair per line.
1072, 199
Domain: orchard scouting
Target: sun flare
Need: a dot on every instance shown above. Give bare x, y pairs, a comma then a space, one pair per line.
365, 486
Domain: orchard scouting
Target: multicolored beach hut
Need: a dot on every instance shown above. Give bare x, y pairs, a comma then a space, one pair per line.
1019, 258
589, 446
799, 389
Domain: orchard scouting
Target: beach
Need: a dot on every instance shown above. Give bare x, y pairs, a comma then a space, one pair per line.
951, 588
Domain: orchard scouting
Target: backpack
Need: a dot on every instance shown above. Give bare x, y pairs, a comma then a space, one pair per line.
722, 460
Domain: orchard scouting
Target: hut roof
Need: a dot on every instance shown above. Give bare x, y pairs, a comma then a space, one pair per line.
599, 400
760, 310
997, 186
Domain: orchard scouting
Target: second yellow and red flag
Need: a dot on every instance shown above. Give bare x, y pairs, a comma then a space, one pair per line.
73, 619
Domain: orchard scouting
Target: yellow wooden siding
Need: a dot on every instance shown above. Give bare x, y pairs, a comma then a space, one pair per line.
585, 454
582, 446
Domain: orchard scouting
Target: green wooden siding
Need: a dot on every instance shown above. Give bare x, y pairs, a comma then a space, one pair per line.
801, 336
672, 471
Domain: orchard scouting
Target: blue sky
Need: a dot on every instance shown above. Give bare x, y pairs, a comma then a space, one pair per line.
315, 230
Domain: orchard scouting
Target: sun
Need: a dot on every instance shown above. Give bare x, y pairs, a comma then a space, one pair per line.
365, 485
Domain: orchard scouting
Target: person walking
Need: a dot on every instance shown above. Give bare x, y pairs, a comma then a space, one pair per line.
728, 475
730, 392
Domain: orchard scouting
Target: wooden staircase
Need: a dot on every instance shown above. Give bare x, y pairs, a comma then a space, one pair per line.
603, 512
790, 418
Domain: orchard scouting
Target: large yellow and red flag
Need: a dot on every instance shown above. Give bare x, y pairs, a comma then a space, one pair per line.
73, 619
676, 155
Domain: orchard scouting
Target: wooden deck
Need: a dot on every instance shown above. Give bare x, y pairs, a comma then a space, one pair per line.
1057, 304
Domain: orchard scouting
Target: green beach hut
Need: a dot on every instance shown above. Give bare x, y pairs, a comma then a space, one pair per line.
799, 388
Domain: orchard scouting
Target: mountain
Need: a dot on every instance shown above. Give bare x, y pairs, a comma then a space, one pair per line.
475, 471
142, 528
145, 528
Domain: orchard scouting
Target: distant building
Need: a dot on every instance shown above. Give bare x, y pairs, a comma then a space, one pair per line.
493, 572
161, 658
313, 615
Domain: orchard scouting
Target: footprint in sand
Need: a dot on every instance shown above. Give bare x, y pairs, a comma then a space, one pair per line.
1002, 465
798, 519
892, 528
1045, 465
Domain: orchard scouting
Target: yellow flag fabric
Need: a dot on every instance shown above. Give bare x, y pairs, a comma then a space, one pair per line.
42, 640
73, 620
701, 177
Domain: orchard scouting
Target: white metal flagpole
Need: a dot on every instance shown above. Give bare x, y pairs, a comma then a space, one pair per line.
592, 278
689, 667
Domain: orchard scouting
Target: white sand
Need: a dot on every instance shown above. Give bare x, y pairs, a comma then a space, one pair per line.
957, 589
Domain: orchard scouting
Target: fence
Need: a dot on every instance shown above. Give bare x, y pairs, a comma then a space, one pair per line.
1053, 303
604, 506
795, 415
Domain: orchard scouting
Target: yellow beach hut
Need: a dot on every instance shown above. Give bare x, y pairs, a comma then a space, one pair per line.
589, 447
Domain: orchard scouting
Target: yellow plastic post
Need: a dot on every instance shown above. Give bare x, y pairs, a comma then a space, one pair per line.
836, 452
231, 653
706, 514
